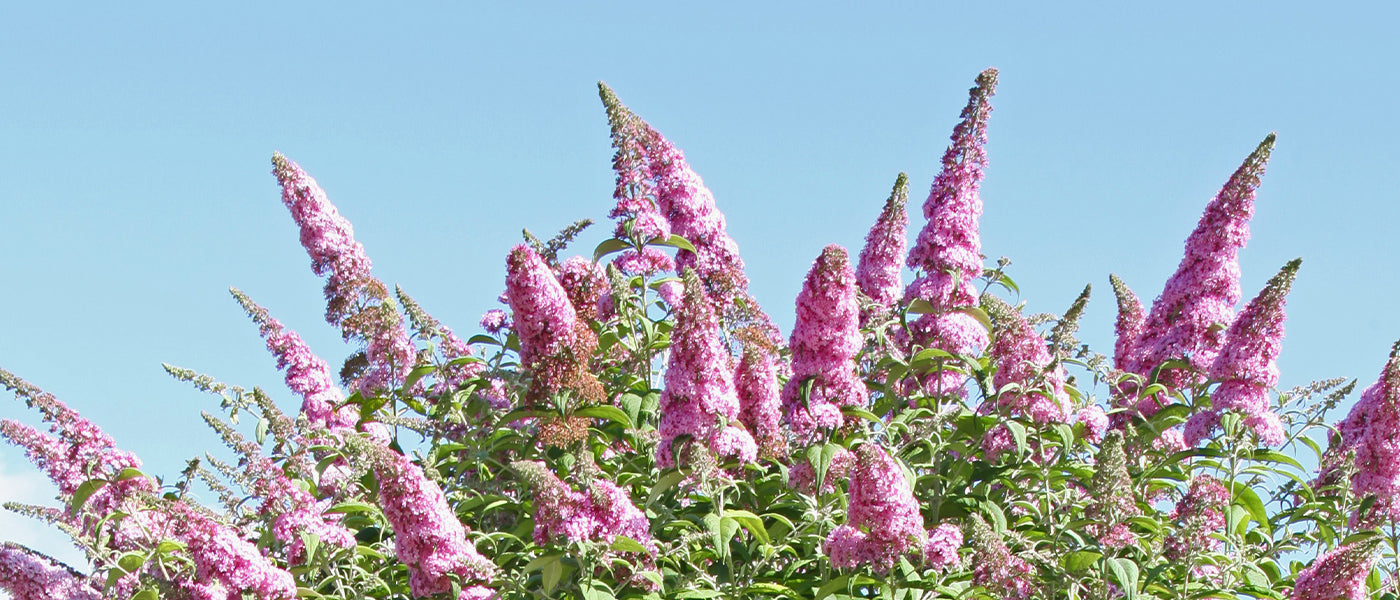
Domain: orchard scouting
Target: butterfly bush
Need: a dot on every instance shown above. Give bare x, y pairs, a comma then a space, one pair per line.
630, 424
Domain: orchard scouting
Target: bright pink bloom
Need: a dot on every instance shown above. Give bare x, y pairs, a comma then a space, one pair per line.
882, 519
995, 568
357, 302
650, 261
586, 286
1246, 366
635, 190
494, 320
699, 398
948, 252
1337, 575
756, 381
599, 513
428, 538
941, 550
1095, 422
28, 575
1372, 431
825, 340
1198, 514
545, 319
1187, 320
881, 260
1023, 359
1128, 327
226, 563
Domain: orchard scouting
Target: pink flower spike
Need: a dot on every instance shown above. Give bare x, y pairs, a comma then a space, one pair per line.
1023, 360
28, 575
825, 340
427, 535
882, 519
881, 260
1187, 320
1337, 575
1247, 364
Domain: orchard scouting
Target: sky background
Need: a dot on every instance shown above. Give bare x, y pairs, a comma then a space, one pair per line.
135, 182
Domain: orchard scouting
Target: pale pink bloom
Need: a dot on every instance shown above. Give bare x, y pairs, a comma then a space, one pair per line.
1198, 514
941, 550
495, 320
585, 284
223, 559
650, 261
545, 319
1372, 431
1128, 327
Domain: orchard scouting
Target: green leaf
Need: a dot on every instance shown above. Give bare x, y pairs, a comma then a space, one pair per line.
145, 595
608, 247
1126, 571
553, 570
261, 433
129, 473
862, 413
665, 482
832, 586
751, 522
921, 307
765, 587
417, 373
675, 241
979, 314
627, 544
131, 562
482, 338
85, 490
1246, 497
611, 413
700, 594
1080, 560
352, 506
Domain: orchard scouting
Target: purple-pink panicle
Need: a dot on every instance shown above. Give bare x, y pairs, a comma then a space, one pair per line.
1128, 327
1187, 321
635, 190
428, 538
306, 374
545, 319
1023, 360
1198, 515
599, 513
1247, 364
356, 302
825, 340
1372, 431
995, 568
756, 381
586, 286
28, 575
948, 252
699, 399
226, 565
1337, 575
882, 258
882, 518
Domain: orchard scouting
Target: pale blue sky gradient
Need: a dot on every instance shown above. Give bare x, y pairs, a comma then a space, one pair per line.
135, 140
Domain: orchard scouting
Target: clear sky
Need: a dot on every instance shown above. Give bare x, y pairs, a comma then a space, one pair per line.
135, 183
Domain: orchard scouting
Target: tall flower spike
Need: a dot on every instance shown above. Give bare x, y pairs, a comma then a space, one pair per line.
1188, 319
1113, 501
1337, 575
882, 520
699, 400
306, 374
825, 340
28, 575
554, 343
1023, 358
881, 260
428, 538
948, 252
356, 302
756, 381
1246, 366
1372, 431
1128, 327
635, 192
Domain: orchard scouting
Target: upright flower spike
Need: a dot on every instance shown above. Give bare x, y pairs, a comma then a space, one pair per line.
554, 343
306, 374
428, 538
1188, 319
699, 399
1023, 359
356, 302
1372, 431
948, 252
1246, 366
28, 575
882, 519
1337, 575
825, 340
1128, 327
1198, 515
997, 570
638, 216
1113, 501
760, 410
881, 260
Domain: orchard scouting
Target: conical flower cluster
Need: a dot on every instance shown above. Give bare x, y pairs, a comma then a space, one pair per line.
1023, 360
825, 340
699, 400
1372, 431
1246, 366
28, 575
356, 302
554, 344
760, 410
1337, 575
882, 520
882, 258
1187, 321
948, 252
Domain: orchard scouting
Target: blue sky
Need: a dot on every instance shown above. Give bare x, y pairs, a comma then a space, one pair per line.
135, 184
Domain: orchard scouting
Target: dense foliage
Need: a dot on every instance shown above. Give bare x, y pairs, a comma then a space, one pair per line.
631, 424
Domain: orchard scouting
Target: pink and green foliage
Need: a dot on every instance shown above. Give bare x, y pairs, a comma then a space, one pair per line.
632, 425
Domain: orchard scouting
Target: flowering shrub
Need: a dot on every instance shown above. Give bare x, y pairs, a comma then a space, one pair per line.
631, 424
